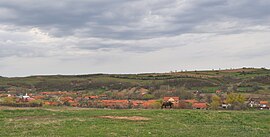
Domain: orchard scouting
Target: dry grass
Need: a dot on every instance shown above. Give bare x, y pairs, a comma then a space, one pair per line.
133, 118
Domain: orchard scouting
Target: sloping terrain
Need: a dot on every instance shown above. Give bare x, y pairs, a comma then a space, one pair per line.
247, 80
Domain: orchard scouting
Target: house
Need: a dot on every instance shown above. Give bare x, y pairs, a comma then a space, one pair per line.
137, 103
199, 105
29, 99
103, 97
151, 104
190, 101
66, 99
25, 96
92, 97
218, 91
264, 105
225, 105
115, 103
73, 103
51, 103
254, 102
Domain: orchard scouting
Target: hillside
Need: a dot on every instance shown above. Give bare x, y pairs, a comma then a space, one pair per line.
245, 80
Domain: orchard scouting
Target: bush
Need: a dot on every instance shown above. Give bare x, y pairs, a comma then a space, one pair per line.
216, 102
236, 101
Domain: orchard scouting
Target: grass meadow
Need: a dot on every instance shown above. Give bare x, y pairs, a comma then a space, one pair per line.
77, 122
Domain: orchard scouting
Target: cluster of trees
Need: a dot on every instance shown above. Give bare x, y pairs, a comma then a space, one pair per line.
233, 101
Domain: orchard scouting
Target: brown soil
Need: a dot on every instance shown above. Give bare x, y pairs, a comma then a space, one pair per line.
133, 118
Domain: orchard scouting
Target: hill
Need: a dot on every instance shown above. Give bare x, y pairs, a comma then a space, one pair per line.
245, 80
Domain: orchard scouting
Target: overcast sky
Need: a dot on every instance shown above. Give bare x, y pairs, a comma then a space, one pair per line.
124, 36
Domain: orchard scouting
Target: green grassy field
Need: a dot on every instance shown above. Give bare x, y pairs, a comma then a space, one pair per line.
89, 122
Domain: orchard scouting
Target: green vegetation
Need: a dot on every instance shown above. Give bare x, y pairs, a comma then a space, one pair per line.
88, 122
216, 102
116, 86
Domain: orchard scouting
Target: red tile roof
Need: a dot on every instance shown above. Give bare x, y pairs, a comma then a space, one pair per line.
92, 97
30, 99
51, 103
149, 103
264, 102
199, 105
218, 91
192, 101
137, 102
66, 98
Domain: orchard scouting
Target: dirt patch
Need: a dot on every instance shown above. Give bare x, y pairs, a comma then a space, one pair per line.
34, 118
133, 118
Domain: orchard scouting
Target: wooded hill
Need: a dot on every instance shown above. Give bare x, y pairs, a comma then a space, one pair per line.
247, 80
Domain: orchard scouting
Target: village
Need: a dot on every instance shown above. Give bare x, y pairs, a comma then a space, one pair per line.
76, 99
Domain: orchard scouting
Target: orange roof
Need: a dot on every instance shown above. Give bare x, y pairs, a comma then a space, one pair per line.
192, 101
92, 97
199, 105
47, 103
149, 102
264, 102
30, 99
66, 98
137, 102
51, 103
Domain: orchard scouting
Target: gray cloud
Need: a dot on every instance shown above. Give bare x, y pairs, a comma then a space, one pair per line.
101, 32
119, 19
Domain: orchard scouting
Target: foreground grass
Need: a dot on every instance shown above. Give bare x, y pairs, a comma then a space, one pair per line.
87, 122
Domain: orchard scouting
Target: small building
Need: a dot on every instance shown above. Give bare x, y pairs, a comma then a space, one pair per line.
218, 91
190, 101
137, 103
264, 105
151, 104
254, 102
115, 103
91, 97
25, 96
199, 105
